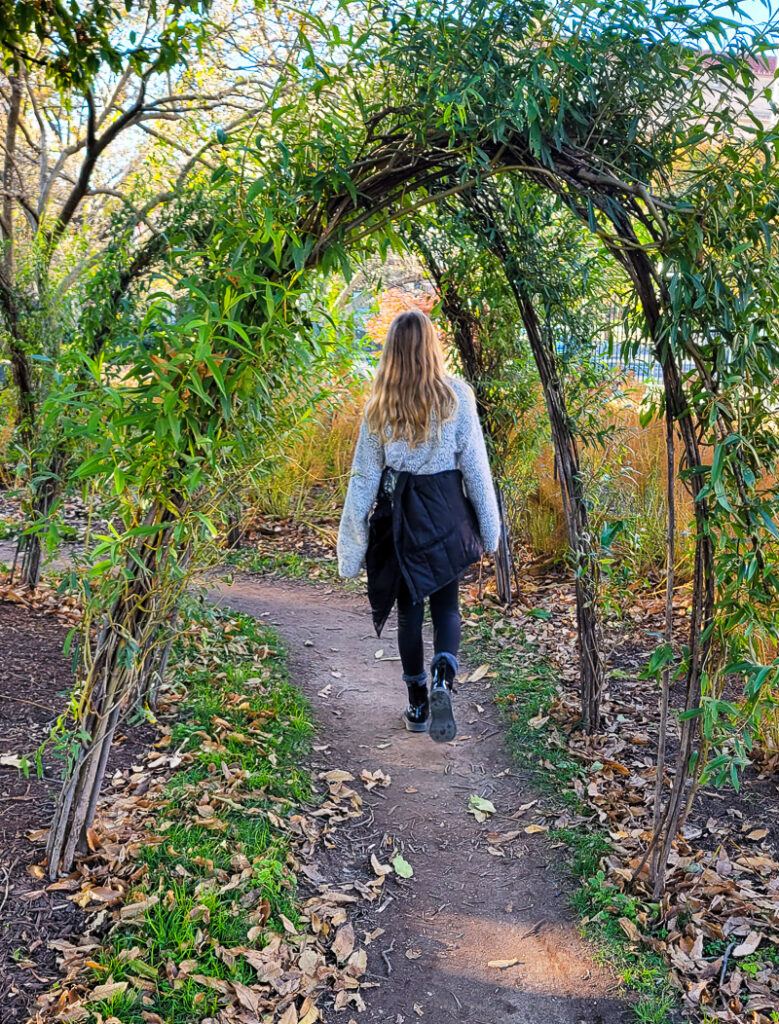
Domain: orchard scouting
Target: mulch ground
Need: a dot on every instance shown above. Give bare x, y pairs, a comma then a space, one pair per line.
35, 678
722, 888
631, 705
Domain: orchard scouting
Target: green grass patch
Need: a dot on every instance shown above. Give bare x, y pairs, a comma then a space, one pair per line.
527, 686
291, 565
9, 528
288, 564
220, 871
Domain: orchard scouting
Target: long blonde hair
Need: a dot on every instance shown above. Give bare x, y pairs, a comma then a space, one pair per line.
410, 390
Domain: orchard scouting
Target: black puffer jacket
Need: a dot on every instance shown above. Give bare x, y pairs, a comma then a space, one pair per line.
423, 530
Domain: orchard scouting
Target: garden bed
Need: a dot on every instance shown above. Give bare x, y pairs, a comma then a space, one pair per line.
34, 686
188, 904
723, 883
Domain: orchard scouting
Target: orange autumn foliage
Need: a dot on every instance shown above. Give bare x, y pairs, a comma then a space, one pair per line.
393, 301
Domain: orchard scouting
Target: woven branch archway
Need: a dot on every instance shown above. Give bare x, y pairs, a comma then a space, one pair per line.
403, 156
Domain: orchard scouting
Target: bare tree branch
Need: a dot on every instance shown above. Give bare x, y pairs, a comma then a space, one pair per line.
95, 146
9, 167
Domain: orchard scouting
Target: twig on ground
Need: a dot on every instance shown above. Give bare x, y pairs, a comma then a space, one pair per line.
429, 917
385, 956
7, 873
728, 951
534, 930
24, 700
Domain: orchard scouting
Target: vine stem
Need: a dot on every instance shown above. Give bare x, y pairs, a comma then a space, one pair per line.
662, 735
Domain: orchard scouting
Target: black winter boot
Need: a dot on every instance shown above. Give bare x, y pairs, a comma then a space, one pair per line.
416, 715
442, 724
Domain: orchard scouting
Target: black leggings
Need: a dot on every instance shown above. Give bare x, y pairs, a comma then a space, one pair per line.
445, 614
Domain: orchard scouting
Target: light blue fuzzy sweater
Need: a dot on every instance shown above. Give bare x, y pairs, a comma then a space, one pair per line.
460, 446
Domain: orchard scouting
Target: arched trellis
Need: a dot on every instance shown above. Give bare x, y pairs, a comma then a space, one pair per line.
392, 179
406, 159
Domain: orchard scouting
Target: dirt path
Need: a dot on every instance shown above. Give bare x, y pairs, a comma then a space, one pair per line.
465, 907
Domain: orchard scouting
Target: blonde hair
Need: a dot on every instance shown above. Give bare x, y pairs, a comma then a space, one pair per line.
410, 391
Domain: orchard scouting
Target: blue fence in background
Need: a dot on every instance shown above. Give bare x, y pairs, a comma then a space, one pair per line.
642, 364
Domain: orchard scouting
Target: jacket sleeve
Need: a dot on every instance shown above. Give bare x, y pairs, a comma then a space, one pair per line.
475, 468
367, 467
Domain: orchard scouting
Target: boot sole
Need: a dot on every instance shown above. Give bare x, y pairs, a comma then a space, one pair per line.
415, 726
442, 724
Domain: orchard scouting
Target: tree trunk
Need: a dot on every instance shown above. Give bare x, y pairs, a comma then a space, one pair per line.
640, 269
484, 217
10, 171
504, 561
662, 734
29, 548
121, 650
17, 351
585, 560
235, 529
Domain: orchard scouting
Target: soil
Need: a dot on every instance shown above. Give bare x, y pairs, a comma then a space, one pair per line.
755, 804
464, 907
36, 678
632, 703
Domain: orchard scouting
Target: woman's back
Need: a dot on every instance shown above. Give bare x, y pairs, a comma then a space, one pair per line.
442, 447
458, 444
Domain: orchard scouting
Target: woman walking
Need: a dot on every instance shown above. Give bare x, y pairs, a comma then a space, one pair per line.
420, 466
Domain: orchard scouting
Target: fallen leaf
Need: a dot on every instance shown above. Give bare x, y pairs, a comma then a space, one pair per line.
533, 829
358, 963
379, 868
290, 1015
288, 925
501, 965
247, 997
375, 778
630, 929
538, 721
759, 833
525, 807
343, 943
93, 840
309, 961
480, 808
107, 991
131, 910
139, 967
496, 838
748, 946
402, 867
103, 894
309, 1016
